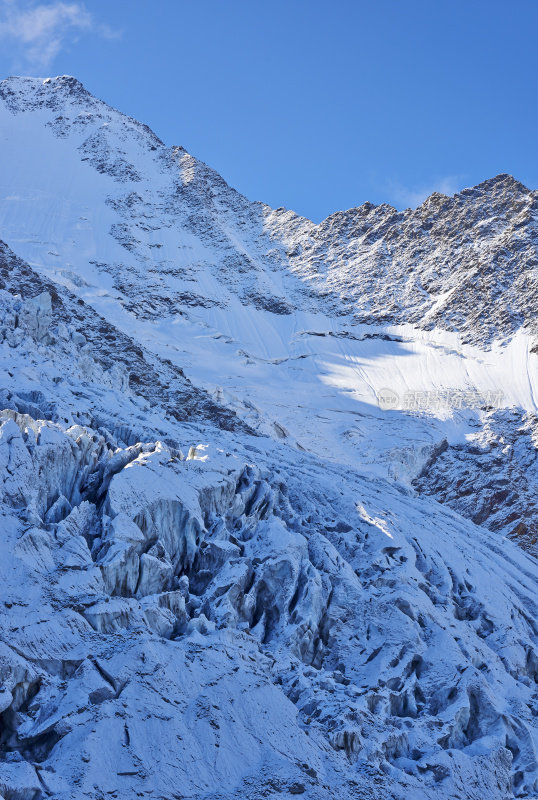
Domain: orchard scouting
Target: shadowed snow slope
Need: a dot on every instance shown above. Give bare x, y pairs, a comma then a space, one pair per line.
224, 569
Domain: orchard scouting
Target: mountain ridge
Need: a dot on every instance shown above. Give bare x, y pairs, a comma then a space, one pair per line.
420, 261
73, 87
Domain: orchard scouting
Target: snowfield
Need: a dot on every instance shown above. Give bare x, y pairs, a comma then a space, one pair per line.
268, 497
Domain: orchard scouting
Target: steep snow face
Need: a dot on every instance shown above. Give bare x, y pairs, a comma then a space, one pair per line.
218, 578
296, 329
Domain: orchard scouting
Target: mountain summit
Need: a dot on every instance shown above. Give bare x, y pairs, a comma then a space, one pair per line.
268, 496
372, 264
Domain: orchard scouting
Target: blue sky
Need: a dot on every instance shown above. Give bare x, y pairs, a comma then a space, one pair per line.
315, 106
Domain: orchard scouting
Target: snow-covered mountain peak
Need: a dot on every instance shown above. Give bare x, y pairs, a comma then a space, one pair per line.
259, 479
26, 94
500, 184
156, 240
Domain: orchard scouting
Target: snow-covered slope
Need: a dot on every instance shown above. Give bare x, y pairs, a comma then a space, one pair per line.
222, 574
262, 308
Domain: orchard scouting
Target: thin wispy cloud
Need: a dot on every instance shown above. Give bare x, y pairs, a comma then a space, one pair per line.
411, 197
37, 32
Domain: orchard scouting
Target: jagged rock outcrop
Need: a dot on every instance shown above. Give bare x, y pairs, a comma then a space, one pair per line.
492, 477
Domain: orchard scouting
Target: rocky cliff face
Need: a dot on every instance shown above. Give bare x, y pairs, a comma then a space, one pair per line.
225, 571
492, 477
466, 263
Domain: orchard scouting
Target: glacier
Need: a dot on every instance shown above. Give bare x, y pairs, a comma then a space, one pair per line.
227, 570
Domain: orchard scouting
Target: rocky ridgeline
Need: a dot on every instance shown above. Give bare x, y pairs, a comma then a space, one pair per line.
467, 263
